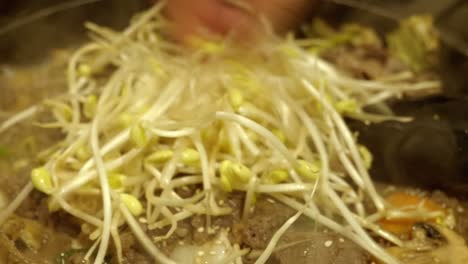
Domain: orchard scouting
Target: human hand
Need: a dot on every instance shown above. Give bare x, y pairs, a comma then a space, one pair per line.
240, 18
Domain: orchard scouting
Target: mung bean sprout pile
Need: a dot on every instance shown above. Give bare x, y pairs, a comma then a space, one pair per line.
145, 117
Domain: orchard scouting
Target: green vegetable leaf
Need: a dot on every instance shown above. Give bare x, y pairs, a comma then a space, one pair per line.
415, 42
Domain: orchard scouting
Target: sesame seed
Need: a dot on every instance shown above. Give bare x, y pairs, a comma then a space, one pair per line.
328, 243
271, 200
341, 240
200, 229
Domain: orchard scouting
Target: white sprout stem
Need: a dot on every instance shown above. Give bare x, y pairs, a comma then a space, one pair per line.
136, 180
73, 146
103, 59
233, 140
106, 196
19, 117
91, 250
204, 162
284, 187
105, 103
248, 143
375, 85
276, 237
184, 132
378, 98
318, 142
73, 84
302, 143
170, 167
347, 214
213, 207
20, 197
361, 85
156, 173
73, 62
78, 213
338, 203
164, 101
166, 213
347, 136
285, 113
148, 15
249, 196
149, 193
116, 237
89, 191
421, 213
85, 176
344, 187
272, 139
381, 232
396, 77
176, 217
253, 112
342, 155
143, 238
376, 118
